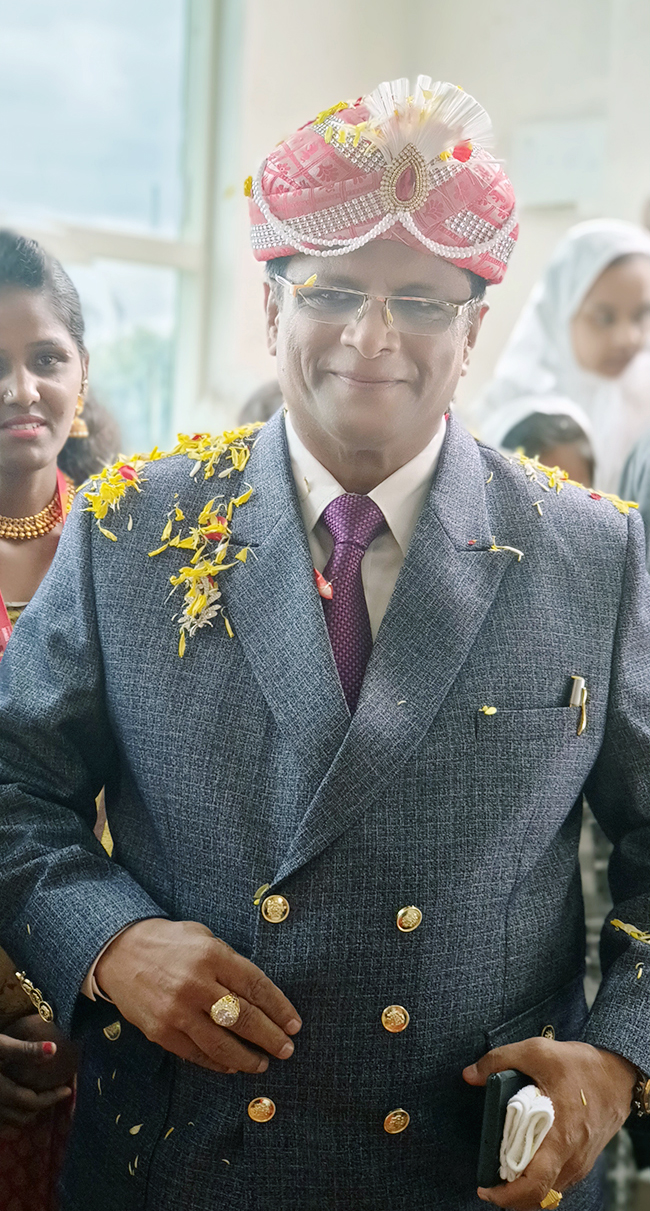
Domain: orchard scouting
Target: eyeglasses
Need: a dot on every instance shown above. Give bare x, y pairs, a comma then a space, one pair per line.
408, 315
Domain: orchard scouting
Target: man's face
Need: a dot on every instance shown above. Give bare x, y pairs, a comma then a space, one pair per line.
364, 385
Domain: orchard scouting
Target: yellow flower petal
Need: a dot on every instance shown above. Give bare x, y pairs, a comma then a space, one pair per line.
228, 627
107, 533
242, 555
167, 532
181, 644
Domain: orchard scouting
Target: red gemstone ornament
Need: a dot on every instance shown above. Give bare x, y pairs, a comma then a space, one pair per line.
462, 152
324, 586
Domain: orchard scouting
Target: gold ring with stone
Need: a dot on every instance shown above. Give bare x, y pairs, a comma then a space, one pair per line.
552, 1200
226, 1010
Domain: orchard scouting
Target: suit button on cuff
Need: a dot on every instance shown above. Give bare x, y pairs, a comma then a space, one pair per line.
261, 1109
395, 1018
408, 918
396, 1121
275, 909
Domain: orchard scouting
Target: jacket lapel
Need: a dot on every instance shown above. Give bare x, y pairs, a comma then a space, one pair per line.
444, 591
276, 612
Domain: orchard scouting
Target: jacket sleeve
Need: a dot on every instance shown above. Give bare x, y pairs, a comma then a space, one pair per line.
61, 897
618, 792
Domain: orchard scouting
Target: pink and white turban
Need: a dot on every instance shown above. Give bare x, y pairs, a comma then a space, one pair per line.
398, 165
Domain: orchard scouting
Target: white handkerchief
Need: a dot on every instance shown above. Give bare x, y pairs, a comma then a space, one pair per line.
529, 1118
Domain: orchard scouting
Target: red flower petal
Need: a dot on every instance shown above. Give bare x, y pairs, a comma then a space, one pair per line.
214, 535
127, 472
595, 496
324, 586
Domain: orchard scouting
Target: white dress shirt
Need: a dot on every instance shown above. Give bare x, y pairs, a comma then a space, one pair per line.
400, 498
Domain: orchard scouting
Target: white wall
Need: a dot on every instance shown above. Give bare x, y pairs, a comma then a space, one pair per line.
525, 61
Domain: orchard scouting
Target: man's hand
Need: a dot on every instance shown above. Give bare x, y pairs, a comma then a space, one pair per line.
571, 1074
164, 976
29, 1082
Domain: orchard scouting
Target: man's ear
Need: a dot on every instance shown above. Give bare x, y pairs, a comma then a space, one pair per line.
472, 334
272, 312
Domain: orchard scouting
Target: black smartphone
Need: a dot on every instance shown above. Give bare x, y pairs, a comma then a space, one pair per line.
499, 1089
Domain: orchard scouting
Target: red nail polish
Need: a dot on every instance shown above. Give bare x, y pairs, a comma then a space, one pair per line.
49, 1048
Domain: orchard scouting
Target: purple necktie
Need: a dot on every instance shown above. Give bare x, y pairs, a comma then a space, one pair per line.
353, 521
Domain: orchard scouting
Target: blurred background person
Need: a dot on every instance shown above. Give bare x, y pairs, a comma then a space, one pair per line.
635, 484
51, 439
556, 438
582, 342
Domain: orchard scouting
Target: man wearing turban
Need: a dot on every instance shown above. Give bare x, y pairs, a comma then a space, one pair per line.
345, 679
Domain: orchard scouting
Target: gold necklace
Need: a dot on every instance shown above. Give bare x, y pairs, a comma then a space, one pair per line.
21, 528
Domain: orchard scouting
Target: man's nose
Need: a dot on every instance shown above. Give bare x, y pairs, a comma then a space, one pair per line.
369, 333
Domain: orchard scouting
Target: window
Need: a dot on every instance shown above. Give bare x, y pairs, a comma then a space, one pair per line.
98, 138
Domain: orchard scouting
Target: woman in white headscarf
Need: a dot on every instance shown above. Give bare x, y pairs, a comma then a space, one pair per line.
581, 347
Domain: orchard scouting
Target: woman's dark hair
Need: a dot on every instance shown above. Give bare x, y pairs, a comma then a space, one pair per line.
24, 265
540, 431
278, 266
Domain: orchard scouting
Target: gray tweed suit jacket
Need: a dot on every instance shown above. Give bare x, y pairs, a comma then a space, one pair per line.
239, 765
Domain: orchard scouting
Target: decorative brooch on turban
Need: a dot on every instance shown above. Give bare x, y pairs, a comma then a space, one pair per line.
399, 165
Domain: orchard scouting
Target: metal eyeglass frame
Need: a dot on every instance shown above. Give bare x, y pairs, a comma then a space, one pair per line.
454, 309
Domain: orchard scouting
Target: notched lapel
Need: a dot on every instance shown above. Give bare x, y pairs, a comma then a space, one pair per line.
446, 587
276, 612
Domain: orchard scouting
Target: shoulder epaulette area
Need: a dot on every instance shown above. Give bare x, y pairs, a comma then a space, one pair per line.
554, 479
106, 490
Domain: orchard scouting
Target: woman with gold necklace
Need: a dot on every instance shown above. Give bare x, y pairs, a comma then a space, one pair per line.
43, 435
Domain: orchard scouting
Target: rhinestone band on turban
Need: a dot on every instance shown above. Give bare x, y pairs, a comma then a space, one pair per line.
397, 165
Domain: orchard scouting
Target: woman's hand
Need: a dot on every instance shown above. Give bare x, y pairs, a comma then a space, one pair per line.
36, 1064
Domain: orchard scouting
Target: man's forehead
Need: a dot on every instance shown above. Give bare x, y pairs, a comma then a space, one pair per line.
384, 265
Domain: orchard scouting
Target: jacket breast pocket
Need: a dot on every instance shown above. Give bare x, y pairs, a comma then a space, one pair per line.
528, 734
562, 1015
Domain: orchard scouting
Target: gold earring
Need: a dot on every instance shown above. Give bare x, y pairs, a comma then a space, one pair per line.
79, 428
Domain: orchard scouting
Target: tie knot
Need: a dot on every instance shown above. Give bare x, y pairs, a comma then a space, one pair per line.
353, 519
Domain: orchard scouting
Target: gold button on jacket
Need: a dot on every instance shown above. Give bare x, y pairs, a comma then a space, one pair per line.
395, 1018
275, 909
261, 1109
396, 1121
548, 1032
408, 918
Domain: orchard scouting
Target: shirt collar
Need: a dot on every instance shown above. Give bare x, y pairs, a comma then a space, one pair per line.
400, 497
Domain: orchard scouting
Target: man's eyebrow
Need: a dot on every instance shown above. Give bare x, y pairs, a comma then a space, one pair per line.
47, 341
417, 289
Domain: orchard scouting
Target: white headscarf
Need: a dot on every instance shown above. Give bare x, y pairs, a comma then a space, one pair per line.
538, 371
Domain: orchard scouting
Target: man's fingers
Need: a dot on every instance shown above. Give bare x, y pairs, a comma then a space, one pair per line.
513, 1055
258, 1029
184, 1047
526, 1193
243, 978
224, 1047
